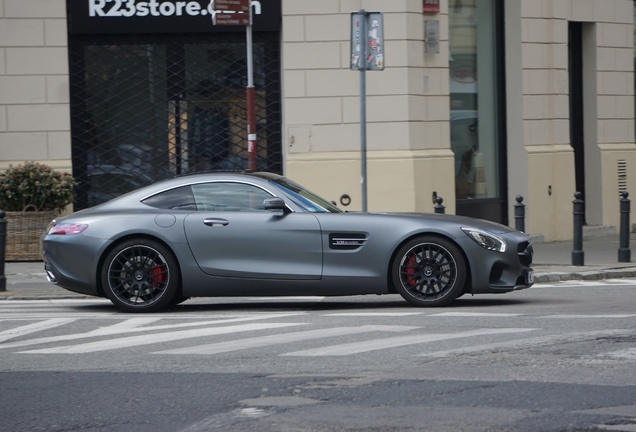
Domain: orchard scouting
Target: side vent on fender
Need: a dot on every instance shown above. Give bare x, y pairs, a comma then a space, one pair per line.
347, 241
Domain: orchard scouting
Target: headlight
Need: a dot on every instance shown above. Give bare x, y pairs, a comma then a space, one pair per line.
485, 239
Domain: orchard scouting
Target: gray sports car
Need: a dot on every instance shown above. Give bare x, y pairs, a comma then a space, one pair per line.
260, 234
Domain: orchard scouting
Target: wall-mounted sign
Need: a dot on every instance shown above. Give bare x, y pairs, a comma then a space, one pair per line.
431, 36
431, 6
165, 16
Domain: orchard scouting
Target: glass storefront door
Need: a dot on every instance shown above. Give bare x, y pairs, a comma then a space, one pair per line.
146, 108
475, 108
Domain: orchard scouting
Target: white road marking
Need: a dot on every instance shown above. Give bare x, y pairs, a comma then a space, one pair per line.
522, 343
373, 314
627, 354
586, 316
33, 328
379, 344
135, 341
474, 314
127, 327
277, 339
585, 283
274, 298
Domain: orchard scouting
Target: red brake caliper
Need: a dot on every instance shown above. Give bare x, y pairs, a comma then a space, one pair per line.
158, 276
410, 270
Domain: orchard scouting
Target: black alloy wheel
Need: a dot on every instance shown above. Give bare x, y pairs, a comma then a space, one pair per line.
429, 271
140, 276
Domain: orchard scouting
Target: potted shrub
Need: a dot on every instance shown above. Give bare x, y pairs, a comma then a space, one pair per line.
32, 195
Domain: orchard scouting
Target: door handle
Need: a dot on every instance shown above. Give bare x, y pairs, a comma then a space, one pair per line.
215, 221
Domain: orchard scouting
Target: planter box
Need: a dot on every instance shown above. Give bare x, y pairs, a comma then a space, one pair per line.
24, 230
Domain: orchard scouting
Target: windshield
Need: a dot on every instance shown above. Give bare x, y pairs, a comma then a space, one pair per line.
303, 198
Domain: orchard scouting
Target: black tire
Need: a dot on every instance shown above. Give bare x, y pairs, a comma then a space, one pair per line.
429, 271
140, 275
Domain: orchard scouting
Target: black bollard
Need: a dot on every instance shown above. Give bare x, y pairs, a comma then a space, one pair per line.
578, 256
439, 208
3, 245
624, 253
520, 214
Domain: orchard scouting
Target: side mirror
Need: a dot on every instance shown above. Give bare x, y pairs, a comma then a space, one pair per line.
275, 204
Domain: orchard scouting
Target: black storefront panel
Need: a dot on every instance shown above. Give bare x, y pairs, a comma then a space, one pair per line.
157, 16
145, 107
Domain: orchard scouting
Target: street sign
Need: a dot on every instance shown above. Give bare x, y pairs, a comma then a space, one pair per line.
240, 19
232, 5
367, 51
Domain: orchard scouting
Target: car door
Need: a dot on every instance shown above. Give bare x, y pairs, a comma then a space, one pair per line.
231, 235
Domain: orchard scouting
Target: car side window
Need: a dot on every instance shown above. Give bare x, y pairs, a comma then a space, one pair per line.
227, 196
180, 198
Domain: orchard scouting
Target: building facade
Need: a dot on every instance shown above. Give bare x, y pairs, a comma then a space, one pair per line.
479, 100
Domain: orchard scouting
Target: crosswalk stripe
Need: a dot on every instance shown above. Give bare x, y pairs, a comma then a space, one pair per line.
374, 314
134, 341
129, 326
474, 314
588, 316
277, 339
379, 344
33, 328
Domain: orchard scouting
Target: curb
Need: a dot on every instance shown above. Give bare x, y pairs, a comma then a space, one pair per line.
585, 275
44, 297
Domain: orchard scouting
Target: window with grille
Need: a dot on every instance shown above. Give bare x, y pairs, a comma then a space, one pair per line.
150, 107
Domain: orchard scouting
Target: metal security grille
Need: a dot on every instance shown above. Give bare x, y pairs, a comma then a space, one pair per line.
145, 108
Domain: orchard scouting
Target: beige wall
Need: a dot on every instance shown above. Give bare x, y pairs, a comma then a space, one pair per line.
408, 134
408, 140
608, 110
34, 88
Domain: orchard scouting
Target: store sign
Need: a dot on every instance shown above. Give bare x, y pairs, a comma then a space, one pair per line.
431, 6
162, 16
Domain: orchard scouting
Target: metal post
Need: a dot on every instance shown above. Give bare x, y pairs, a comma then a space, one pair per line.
251, 102
363, 108
439, 208
520, 214
578, 256
624, 253
3, 245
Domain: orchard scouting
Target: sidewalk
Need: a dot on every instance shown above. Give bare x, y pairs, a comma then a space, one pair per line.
552, 262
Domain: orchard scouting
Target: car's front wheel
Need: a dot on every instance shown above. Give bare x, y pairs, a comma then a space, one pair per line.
429, 271
140, 275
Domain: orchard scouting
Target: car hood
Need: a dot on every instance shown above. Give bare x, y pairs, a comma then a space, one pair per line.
466, 221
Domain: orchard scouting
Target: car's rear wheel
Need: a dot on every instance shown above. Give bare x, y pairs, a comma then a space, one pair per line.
140, 275
429, 271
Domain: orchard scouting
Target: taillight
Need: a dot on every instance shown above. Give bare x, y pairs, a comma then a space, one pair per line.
66, 229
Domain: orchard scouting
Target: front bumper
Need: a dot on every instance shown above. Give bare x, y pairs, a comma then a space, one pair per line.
498, 272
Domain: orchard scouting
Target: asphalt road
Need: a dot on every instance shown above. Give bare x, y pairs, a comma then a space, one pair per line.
556, 357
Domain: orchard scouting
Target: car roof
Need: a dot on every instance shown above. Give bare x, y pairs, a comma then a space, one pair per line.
187, 179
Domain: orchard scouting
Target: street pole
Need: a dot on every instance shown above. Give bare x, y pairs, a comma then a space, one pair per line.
363, 109
251, 102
